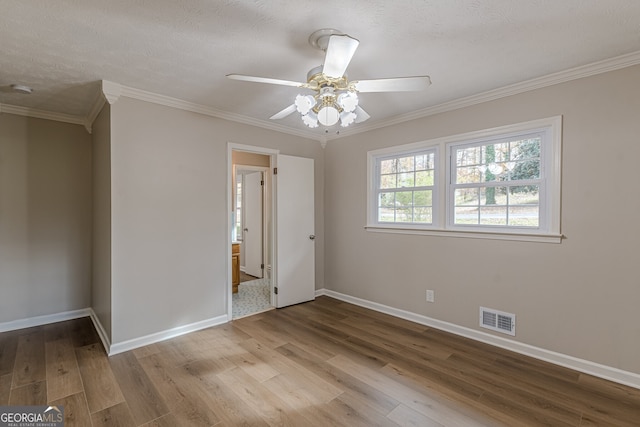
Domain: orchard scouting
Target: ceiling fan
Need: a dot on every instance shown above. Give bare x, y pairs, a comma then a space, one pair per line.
334, 97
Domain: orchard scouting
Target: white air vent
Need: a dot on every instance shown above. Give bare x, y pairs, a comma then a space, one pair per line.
498, 321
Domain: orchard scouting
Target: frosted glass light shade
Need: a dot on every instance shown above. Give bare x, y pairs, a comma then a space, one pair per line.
304, 103
348, 101
346, 118
328, 116
310, 119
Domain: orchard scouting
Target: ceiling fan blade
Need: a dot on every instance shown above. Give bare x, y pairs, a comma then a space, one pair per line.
399, 84
340, 50
361, 115
284, 113
266, 80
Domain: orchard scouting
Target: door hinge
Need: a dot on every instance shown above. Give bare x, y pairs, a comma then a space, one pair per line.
275, 171
275, 290
262, 266
261, 182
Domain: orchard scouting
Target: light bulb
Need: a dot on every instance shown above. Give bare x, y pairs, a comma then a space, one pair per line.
328, 116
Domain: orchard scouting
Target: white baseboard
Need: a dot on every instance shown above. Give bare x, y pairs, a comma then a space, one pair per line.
110, 348
106, 342
131, 344
44, 320
630, 379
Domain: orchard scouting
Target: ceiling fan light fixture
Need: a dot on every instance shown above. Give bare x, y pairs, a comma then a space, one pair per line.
346, 118
348, 101
310, 119
328, 115
304, 103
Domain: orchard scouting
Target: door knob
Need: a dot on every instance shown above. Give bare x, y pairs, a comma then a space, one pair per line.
246, 229
312, 236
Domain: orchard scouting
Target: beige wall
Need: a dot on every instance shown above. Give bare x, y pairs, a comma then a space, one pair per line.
101, 249
169, 213
45, 217
580, 297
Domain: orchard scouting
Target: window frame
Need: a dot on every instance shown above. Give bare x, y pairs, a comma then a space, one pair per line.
548, 229
374, 175
433, 188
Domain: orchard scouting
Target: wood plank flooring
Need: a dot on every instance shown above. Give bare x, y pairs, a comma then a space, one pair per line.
323, 363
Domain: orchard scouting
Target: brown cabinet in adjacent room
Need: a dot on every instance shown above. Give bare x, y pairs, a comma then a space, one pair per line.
235, 266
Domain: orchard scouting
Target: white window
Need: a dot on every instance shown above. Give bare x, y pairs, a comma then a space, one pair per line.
404, 188
497, 183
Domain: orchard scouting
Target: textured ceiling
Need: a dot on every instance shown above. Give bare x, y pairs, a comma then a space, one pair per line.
184, 48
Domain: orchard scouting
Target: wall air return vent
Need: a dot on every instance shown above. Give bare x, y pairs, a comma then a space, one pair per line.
498, 321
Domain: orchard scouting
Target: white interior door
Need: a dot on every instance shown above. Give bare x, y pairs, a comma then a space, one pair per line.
295, 244
252, 234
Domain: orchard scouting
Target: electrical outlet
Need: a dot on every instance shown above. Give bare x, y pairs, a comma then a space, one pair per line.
430, 296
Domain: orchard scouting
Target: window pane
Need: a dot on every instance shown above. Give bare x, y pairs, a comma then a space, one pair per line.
467, 196
386, 200
468, 156
467, 175
406, 180
466, 215
424, 162
422, 215
404, 215
527, 169
387, 181
525, 149
405, 164
386, 215
524, 216
404, 198
424, 178
497, 152
524, 195
493, 195
388, 166
422, 198
525, 159
493, 215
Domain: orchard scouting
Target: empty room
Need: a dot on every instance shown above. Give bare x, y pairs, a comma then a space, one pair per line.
410, 213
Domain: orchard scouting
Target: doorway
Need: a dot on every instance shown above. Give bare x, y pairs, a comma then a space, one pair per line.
288, 232
251, 233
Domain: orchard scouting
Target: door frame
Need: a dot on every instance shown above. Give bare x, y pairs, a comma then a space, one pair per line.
270, 191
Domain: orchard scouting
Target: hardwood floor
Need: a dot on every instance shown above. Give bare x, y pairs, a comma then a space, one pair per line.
316, 364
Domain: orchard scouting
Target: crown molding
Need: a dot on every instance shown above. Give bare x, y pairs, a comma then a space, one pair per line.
95, 109
180, 104
588, 70
42, 114
111, 91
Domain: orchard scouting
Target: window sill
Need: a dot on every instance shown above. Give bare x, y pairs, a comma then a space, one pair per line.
492, 235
